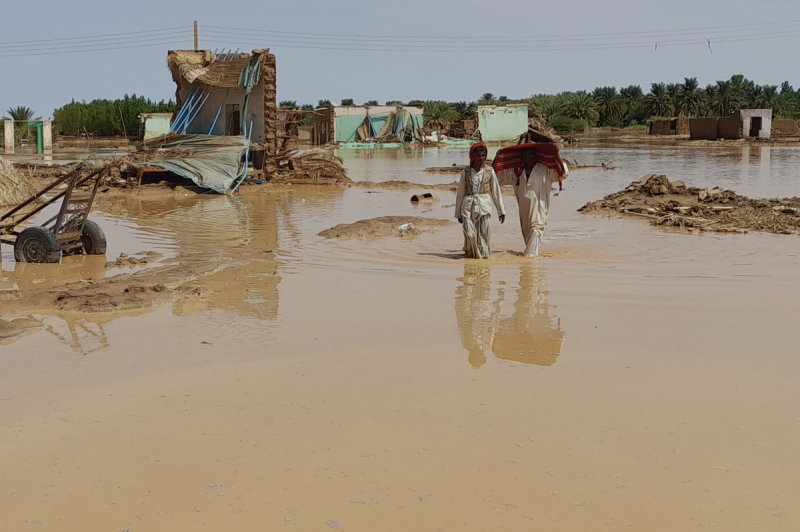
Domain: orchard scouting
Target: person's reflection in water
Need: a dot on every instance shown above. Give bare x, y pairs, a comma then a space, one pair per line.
530, 335
476, 313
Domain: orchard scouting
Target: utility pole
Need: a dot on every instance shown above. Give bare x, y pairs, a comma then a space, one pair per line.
196, 45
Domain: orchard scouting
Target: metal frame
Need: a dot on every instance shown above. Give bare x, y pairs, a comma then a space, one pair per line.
68, 224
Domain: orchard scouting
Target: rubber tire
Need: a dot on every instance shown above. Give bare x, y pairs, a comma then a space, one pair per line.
37, 245
94, 239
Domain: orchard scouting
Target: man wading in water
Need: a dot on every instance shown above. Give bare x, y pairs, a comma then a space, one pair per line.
477, 190
533, 181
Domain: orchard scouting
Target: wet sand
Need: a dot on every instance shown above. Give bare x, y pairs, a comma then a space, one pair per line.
634, 377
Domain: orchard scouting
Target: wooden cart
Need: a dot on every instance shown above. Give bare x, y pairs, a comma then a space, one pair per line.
70, 231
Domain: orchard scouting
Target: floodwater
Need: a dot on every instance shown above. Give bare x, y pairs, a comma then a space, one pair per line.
634, 378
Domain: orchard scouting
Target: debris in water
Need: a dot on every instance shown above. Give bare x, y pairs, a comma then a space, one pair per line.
386, 226
672, 204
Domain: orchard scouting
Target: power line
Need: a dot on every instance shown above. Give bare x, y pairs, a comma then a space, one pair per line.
101, 43
705, 30
229, 38
102, 49
407, 44
94, 36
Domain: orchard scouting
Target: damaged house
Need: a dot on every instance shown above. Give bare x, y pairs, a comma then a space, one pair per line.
502, 123
740, 124
231, 94
226, 119
225, 116
366, 123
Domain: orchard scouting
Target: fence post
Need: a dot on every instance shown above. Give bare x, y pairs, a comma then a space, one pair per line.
8, 131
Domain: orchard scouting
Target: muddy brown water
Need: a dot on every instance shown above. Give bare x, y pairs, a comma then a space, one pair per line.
633, 378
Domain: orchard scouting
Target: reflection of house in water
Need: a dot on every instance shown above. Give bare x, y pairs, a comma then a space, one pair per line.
241, 234
530, 335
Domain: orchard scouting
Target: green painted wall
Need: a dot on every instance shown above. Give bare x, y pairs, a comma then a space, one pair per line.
501, 124
156, 126
346, 127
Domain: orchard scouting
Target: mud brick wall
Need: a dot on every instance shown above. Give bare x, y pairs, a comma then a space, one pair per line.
269, 76
785, 128
730, 127
660, 127
682, 127
703, 128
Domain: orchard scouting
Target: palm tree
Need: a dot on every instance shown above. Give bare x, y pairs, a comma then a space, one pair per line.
608, 103
288, 104
689, 97
439, 115
632, 98
547, 105
348, 101
503, 99
581, 106
467, 111
20, 113
673, 89
659, 102
371, 102
788, 100
487, 99
724, 99
771, 99
631, 93
752, 95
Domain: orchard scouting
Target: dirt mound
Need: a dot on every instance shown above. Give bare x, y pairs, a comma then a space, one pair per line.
402, 226
672, 204
455, 169
405, 185
137, 259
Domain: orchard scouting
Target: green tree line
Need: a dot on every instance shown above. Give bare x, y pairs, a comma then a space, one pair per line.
107, 117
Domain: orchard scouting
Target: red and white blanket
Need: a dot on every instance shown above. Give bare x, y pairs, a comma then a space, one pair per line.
510, 158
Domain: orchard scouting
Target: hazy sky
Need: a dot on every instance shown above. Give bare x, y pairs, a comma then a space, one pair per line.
45, 82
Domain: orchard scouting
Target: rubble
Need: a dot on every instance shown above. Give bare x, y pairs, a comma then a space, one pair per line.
673, 204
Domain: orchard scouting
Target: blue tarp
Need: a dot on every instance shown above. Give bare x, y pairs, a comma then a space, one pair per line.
214, 163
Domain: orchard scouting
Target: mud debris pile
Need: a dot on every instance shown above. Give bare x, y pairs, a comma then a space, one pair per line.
673, 204
314, 166
402, 226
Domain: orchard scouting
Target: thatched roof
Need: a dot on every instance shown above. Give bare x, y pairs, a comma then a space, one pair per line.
201, 65
14, 188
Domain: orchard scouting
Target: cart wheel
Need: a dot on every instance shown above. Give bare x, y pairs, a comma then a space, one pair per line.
93, 238
37, 244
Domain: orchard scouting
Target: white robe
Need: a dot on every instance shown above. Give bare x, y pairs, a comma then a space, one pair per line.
475, 206
533, 196
474, 211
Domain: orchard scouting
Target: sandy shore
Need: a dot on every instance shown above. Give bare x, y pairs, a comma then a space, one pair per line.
633, 377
